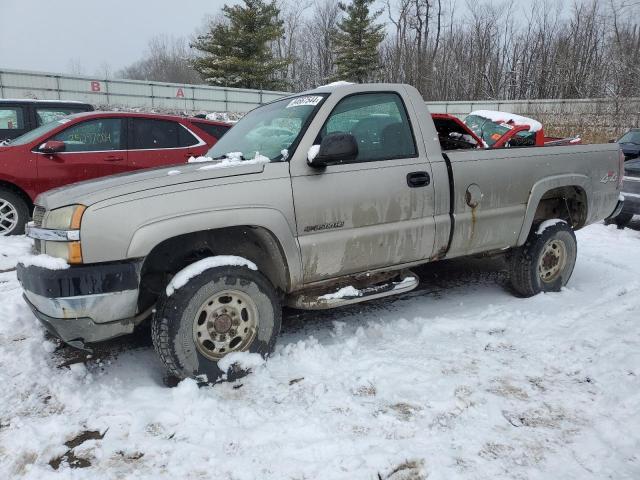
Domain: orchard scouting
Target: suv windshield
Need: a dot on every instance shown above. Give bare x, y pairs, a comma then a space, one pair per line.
632, 136
37, 132
271, 130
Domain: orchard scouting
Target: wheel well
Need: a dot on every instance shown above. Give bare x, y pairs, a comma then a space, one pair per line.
568, 203
170, 256
18, 191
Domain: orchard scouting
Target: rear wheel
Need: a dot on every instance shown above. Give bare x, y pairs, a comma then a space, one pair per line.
220, 311
622, 219
545, 262
14, 213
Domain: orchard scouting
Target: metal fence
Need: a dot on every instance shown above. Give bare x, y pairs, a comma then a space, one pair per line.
131, 93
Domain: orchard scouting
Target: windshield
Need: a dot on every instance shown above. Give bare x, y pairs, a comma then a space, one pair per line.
270, 131
486, 129
632, 136
37, 132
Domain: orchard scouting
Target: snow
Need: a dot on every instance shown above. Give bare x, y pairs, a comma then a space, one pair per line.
11, 248
174, 172
285, 154
548, 223
534, 125
339, 83
44, 261
456, 379
244, 360
349, 291
183, 276
233, 159
313, 152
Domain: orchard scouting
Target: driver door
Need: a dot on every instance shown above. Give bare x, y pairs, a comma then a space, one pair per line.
369, 213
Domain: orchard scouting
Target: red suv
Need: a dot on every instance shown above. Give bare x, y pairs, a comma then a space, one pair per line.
89, 145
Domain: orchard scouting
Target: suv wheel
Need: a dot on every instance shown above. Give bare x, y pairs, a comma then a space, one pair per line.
222, 310
14, 213
545, 262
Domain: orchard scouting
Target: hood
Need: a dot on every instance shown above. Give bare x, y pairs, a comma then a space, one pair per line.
90, 192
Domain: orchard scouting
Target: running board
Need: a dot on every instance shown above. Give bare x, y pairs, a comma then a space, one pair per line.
350, 295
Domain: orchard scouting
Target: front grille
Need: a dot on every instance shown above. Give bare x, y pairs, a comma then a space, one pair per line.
38, 215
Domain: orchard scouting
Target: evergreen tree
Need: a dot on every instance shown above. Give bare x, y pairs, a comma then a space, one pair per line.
237, 53
356, 41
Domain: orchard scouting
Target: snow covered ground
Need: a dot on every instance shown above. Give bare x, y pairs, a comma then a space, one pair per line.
458, 379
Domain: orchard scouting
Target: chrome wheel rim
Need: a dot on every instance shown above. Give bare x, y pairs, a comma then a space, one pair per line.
226, 322
552, 261
8, 217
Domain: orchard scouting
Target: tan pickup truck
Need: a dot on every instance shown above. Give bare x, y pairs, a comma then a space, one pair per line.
317, 200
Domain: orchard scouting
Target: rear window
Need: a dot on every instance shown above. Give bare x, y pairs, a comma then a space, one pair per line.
147, 134
46, 115
11, 118
216, 131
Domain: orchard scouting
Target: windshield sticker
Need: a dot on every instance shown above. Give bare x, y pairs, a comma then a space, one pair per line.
303, 101
506, 125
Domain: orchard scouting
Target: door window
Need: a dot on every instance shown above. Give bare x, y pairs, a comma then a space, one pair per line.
379, 123
92, 136
11, 118
147, 134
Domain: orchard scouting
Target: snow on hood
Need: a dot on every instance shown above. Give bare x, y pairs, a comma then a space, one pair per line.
498, 117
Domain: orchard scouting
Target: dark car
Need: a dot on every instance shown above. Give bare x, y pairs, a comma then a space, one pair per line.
22, 115
630, 144
631, 193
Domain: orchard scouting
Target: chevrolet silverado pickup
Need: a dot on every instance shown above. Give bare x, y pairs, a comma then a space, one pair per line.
318, 200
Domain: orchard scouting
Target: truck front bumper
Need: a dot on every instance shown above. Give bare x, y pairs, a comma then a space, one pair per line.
85, 303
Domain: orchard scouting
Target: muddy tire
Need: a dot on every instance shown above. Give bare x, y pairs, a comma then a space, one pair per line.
545, 262
222, 310
14, 213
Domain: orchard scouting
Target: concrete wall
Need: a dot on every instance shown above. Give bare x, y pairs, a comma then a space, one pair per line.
131, 93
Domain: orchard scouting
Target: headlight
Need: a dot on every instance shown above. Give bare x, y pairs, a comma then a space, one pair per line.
65, 218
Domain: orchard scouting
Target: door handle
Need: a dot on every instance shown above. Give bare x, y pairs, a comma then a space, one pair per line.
113, 158
418, 179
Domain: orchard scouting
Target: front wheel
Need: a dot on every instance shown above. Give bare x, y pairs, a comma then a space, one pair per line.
545, 262
220, 311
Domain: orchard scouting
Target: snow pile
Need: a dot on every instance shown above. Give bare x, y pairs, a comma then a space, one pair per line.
183, 276
457, 379
498, 117
548, 223
44, 261
243, 360
232, 159
11, 248
339, 83
313, 152
344, 292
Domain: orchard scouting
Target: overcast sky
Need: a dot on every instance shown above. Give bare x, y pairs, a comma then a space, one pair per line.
51, 35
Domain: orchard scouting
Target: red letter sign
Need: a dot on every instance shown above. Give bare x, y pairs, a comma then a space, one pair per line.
95, 86
180, 93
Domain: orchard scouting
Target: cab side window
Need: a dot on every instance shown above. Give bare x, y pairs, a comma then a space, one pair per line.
379, 123
11, 118
92, 136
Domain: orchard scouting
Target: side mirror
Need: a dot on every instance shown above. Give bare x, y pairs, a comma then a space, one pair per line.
52, 146
335, 148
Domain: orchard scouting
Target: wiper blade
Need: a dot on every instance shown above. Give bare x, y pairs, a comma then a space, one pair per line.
226, 155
